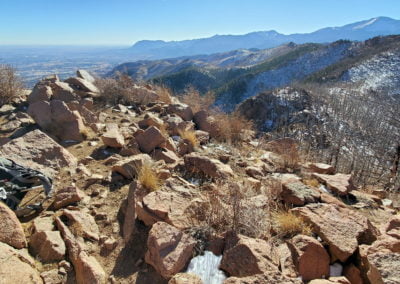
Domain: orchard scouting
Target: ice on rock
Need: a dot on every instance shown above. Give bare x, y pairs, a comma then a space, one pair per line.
206, 267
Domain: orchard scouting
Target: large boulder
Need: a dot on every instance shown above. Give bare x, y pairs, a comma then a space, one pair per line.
62, 91
247, 256
182, 110
58, 119
83, 74
11, 231
82, 85
113, 137
169, 250
206, 123
341, 228
320, 168
37, 150
150, 139
170, 206
16, 266
207, 166
340, 184
129, 167
310, 257
40, 92
297, 193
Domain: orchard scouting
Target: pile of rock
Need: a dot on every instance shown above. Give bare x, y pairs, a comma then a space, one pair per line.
63, 108
104, 225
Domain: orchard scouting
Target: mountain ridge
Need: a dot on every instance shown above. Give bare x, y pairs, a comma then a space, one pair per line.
361, 30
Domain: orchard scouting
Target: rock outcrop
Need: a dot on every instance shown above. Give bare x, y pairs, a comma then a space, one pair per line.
341, 228
169, 250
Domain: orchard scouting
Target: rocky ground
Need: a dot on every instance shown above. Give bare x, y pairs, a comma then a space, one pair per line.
141, 189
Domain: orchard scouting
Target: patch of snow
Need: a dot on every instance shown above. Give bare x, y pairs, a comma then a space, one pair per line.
70, 141
359, 27
324, 189
380, 72
206, 267
335, 269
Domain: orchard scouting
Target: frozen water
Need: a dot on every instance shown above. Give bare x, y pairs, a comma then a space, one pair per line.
206, 267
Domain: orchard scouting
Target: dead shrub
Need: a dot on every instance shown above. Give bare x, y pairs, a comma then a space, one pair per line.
148, 177
196, 101
123, 89
10, 84
288, 151
233, 127
164, 94
230, 208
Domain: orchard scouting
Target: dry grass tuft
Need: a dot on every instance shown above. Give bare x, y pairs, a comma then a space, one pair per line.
287, 224
164, 130
85, 133
312, 182
148, 177
190, 136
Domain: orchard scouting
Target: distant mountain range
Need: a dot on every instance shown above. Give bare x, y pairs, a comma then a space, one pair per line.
359, 31
237, 75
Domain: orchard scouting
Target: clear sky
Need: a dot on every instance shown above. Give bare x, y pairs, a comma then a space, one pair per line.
123, 22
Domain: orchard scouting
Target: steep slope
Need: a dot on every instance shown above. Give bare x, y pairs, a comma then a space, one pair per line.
362, 30
148, 69
348, 111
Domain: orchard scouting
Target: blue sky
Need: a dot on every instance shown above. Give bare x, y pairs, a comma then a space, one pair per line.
123, 22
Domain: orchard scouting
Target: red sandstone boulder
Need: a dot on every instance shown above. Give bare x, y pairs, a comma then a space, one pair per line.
169, 250
310, 257
11, 231
247, 256
37, 150
207, 166
341, 228
150, 139
340, 184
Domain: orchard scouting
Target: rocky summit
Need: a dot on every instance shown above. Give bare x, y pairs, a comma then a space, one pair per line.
147, 184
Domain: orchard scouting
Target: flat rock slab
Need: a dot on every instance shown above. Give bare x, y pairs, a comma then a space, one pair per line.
340, 184
297, 193
38, 151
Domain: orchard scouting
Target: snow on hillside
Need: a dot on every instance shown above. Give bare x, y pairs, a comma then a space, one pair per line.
295, 70
381, 72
